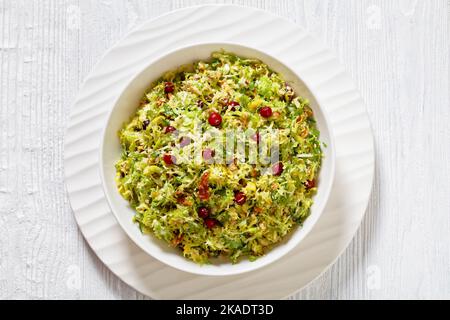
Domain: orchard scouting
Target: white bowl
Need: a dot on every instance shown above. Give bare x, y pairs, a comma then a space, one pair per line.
110, 152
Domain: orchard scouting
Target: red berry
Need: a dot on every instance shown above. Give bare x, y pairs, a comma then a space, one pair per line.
208, 154
169, 159
170, 129
240, 198
265, 112
277, 168
210, 223
215, 119
185, 141
309, 184
203, 212
169, 87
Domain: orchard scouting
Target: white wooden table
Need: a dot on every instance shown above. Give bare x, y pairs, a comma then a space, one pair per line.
397, 53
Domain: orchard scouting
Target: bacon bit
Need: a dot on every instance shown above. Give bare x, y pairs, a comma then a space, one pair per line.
254, 173
160, 102
203, 189
181, 200
186, 202
304, 132
308, 112
258, 209
276, 114
274, 186
177, 240
301, 118
179, 195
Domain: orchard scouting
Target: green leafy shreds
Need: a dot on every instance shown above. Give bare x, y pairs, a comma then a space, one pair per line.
165, 198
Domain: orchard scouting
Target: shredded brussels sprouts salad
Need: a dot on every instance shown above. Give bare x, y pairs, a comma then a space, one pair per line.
220, 159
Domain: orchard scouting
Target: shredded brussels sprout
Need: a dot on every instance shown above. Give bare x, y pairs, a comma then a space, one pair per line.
211, 208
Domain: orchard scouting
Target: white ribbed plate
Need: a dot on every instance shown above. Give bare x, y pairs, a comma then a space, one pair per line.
318, 69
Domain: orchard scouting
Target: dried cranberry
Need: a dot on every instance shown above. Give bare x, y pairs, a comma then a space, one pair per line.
210, 223
203, 212
265, 112
215, 119
169, 159
169, 87
170, 129
309, 184
240, 198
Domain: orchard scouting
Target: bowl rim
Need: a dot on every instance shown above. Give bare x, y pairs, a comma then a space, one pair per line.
198, 270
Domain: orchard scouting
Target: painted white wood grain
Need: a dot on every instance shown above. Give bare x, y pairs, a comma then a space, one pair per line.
396, 51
